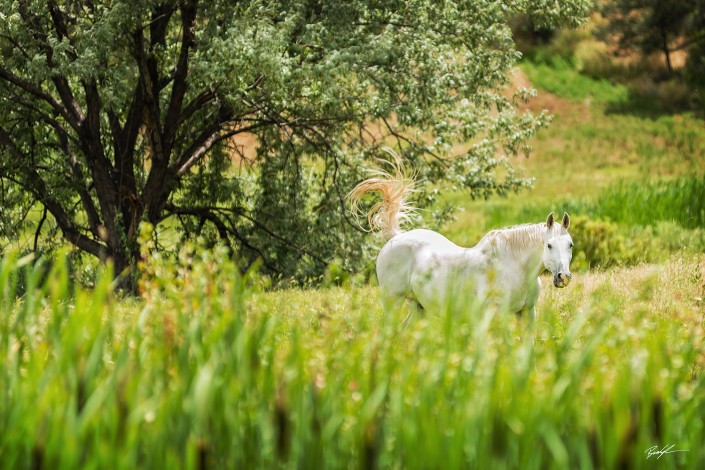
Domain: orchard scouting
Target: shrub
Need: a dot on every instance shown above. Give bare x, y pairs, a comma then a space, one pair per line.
592, 58
671, 237
602, 244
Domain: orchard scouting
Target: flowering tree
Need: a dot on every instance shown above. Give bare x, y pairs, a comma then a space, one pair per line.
117, 112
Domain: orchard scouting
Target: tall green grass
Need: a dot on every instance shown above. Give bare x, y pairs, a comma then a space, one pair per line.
681, 200
205, 371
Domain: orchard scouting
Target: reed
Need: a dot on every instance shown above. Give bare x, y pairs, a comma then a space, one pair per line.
680, 200
207, 371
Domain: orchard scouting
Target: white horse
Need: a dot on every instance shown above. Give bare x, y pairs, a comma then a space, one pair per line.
426, 266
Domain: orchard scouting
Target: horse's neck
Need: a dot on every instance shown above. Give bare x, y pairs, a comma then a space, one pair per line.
519, 246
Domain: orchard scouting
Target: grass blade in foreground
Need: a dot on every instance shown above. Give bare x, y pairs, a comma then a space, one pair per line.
206, 372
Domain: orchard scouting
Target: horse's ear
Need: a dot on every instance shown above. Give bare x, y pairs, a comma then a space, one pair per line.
549, 220
566, 220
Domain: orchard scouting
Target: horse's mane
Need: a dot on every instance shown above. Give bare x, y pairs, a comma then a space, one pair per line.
517, 237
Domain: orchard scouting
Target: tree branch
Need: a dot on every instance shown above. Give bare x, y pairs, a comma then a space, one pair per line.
63, 146
36, 91
203, 214
125, 138
180, 85
92, 121
74, 112
39, 228
196, 104
241, 213
34, 184
209, 138
62, 31
43, 115
158, 184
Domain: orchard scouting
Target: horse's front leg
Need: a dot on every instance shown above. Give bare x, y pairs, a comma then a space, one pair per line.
532, 298
528, 310
532, 313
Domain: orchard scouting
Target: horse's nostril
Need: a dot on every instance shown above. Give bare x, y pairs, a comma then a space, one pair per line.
563, 278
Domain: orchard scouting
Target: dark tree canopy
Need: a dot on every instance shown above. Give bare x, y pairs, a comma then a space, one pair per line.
114, 113
649, 26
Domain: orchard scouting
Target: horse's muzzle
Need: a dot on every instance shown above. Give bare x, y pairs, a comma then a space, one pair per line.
562, 279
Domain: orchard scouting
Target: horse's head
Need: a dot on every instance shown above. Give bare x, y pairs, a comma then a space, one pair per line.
558, 250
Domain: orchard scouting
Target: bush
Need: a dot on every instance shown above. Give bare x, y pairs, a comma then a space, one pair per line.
602, 244
592, 58
561, 48
672, 238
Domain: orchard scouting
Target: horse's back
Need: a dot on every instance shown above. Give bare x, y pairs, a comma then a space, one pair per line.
421, 238
400, 256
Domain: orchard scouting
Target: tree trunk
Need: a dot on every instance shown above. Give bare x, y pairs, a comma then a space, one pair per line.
666, 50
124, 259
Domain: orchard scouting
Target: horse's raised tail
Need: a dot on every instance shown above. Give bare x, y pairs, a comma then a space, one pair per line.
395, 187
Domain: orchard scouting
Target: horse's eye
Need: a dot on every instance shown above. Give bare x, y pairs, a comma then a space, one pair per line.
571, 245
550, 246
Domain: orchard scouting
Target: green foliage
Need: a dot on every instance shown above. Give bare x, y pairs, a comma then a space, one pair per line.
561, 48
204, 371
665, 27
563, 64
579, 48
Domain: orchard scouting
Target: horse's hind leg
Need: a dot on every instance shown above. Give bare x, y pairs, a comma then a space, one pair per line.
415, 308
392, 303
419, 308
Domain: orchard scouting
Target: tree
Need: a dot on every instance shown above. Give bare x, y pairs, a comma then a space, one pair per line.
649, 26
117, 112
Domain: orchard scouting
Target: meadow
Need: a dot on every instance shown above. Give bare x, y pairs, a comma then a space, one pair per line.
207, 369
